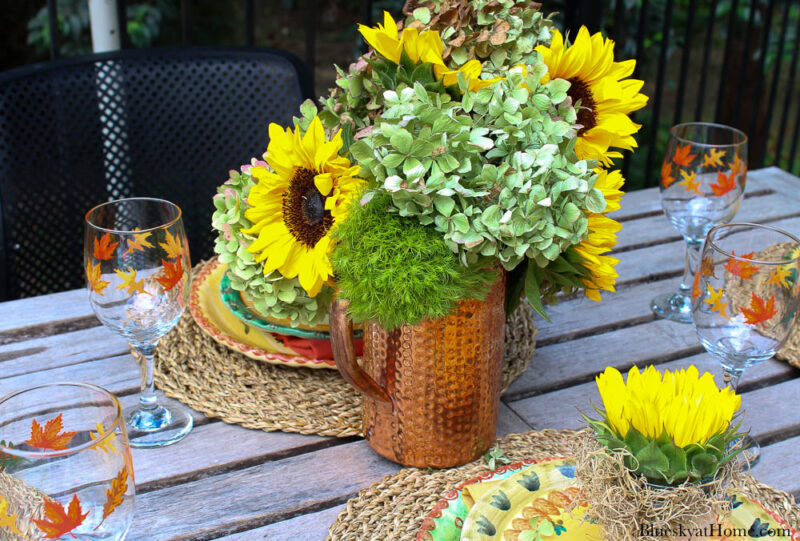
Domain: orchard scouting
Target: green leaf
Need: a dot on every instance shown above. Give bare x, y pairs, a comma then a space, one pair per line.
308, 109
461, 222
634, 441
532, 291
676, 457
361, 151
652, 459
421, 149
491, 216
444, 204
558, 86
704, 465
514, 285
459, 55
402, 141
595, 202
392, 160
423, 15
412, 168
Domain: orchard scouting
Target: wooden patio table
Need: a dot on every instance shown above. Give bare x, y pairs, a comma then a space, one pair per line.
224, 481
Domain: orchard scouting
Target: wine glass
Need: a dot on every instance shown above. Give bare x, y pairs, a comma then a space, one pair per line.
137, 272
746, 296
702, 184
65, 464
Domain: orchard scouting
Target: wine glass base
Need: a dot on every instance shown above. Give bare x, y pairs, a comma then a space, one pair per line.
168, 423
673, 306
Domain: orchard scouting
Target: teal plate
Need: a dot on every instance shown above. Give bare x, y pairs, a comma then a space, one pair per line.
233, 300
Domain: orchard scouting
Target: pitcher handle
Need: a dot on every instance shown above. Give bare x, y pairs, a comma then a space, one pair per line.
344, 353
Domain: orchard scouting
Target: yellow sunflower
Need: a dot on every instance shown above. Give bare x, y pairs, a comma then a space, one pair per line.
602, 238
605, 93
427, 46
294, 207
610, 182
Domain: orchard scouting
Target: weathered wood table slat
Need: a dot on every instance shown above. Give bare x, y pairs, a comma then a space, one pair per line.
228, 482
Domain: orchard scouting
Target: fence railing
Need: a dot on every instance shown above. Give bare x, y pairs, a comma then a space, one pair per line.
726, 61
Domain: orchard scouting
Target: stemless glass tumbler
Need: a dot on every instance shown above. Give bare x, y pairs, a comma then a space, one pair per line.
65, 464
702, 184
746, 296
137, 271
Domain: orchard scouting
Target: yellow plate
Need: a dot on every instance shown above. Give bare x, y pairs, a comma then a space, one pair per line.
211, 315
531, 503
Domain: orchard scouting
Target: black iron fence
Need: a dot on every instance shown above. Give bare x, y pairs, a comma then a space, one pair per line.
727, 61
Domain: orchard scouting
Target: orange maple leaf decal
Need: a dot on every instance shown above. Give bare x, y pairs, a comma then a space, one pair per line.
682, 156
713, 158
742, 269
715, 301
173, 273
58, 520
780, 276
725, 183
51, 437
104, 248
93, 275
696, 287
116, 494
172, 247
666, 174
738, 167
760, 310
690, 183
129, 282
139, 243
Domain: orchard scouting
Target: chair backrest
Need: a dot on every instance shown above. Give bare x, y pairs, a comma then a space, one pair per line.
166, 123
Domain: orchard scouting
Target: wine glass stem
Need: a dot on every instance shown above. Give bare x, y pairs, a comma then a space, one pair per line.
731, 377
147, 397
692, 257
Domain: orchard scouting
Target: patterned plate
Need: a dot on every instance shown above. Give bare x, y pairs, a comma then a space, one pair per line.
213, 316
445, 521
528, 504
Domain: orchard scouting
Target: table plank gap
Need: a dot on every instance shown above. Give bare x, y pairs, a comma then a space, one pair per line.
48, 329
259, 495
203, 472
310, 527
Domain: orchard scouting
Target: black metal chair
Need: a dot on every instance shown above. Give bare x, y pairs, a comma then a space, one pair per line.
166, 123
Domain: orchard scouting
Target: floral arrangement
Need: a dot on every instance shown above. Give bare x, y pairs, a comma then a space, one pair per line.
673, 428
472, 139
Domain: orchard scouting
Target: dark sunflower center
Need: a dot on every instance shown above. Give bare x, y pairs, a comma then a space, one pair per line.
304, 209
579, 90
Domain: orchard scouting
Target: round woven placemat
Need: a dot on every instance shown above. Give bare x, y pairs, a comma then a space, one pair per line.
24, 502
740, 296
395, 507
192, 367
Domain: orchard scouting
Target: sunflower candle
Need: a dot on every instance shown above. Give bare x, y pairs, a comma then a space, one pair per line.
662, 451
676, 427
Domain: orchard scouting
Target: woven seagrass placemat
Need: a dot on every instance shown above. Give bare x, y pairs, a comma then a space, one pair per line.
395, 507
192, 367
741, 296
23, 502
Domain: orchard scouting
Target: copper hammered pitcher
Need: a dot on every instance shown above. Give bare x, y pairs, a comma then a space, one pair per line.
431, 391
